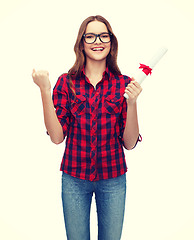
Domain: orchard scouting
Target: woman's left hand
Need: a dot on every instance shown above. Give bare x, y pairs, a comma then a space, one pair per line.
133, 90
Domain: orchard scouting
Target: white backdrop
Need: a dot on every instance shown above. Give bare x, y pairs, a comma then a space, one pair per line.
41, 35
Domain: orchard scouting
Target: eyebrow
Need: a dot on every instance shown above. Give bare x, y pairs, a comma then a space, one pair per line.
96, 33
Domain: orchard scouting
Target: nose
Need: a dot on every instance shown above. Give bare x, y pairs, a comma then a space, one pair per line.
98, 39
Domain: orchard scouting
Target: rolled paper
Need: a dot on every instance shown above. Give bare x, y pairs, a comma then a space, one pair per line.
147, 69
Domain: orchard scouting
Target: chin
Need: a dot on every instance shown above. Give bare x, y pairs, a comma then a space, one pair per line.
99, 58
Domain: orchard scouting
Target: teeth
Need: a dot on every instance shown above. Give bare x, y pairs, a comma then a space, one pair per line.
97, 49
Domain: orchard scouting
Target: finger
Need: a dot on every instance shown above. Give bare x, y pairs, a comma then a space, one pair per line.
132, 82
133, 90
135, 86
33, 72
130, 89
132, 86
130, 95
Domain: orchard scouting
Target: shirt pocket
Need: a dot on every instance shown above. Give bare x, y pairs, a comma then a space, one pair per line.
79, 106
112, 104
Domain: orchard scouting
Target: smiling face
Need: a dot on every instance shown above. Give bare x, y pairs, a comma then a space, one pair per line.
97, 51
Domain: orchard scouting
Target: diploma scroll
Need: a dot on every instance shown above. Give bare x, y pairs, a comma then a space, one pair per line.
147, 69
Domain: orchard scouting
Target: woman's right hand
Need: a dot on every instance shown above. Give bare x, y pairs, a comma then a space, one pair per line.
41, 78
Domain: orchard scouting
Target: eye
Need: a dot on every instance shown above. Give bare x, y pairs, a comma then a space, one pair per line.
89, 36
105, 35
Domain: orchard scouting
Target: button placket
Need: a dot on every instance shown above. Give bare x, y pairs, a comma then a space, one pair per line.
93, 153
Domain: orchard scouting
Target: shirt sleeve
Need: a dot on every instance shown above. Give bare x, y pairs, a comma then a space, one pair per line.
61, 103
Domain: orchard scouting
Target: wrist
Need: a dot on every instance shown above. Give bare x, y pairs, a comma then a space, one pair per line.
45, 91
131, 103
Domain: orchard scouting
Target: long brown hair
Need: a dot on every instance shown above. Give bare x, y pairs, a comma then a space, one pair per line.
111, 59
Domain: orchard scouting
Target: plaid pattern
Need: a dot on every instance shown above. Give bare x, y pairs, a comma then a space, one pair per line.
93, 124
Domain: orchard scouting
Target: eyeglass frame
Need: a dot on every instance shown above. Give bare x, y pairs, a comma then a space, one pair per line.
97, 35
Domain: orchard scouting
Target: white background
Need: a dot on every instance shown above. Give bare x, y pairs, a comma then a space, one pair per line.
41, 35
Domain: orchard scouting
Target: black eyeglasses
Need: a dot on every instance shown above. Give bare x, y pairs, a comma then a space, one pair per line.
91, 37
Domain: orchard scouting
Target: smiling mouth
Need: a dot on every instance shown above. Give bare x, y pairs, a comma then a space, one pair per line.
97, 49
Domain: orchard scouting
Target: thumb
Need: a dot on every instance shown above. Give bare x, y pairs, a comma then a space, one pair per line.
33, 72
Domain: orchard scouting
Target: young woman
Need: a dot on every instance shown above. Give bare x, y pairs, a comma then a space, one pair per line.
89, 108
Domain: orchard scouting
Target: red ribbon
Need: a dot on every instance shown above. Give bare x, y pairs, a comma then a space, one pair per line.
146, 69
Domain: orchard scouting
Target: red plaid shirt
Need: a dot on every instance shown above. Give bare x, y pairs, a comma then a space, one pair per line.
94, 125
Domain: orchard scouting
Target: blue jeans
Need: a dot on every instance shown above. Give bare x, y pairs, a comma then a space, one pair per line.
110, 197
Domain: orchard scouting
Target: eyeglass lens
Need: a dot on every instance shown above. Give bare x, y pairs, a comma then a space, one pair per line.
91, 37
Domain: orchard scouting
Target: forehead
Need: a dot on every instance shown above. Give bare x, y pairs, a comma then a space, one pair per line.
96, 27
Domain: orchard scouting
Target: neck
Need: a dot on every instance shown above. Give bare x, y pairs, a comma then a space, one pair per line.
95, 68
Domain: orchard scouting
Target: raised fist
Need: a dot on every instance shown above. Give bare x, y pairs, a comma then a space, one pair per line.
41, 78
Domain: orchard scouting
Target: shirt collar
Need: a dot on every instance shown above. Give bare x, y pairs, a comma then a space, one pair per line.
107, 72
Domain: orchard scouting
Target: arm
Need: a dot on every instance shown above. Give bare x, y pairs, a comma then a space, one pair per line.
51, 121
131, 131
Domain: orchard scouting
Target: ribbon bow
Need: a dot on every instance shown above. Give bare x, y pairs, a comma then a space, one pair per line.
146, 69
